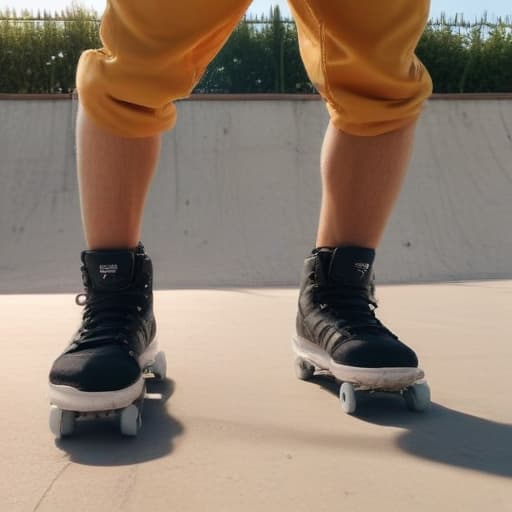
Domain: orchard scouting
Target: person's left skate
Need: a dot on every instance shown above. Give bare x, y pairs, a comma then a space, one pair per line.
338, 332
102, 371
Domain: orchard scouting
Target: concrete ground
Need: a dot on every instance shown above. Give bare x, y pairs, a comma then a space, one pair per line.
233, 430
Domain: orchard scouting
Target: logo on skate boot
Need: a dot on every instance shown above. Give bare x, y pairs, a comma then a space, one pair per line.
106, 270
362, 268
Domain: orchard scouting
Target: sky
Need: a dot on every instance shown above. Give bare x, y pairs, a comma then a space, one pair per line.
471, 8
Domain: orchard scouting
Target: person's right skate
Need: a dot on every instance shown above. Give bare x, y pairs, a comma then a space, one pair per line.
102, 370
338, 332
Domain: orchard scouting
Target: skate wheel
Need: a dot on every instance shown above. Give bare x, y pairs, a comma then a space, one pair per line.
159, 368
303, 369
62, 423
130, 421
417, 397
348, 398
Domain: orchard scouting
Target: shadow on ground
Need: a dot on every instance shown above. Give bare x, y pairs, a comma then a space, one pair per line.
99, 442
441, 434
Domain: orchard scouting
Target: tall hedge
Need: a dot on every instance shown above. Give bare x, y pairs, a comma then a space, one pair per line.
38, 53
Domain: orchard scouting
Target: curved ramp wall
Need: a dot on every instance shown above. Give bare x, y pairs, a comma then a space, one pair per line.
236, 198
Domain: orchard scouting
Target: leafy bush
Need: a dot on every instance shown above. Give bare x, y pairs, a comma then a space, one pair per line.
38, 54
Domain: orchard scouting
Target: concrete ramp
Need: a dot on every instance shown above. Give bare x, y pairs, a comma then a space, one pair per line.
236, 198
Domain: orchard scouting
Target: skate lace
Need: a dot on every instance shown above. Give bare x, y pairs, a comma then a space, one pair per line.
353, 309
109, 317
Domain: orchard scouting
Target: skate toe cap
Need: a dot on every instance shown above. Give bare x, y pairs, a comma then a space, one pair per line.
107, 368
375, 353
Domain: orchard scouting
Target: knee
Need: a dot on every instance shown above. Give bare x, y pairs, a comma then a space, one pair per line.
119, 103
370, 101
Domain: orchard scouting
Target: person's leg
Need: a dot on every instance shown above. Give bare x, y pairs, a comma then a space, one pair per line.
361, 179
114, 174
160, 53
360, 56
154, 52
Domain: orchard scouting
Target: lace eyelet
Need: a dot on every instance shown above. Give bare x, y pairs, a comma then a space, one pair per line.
78, 300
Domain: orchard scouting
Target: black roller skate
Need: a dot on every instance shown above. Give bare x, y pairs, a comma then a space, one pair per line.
338, 333
102, 372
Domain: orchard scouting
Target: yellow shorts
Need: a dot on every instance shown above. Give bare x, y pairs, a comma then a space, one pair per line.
358, 54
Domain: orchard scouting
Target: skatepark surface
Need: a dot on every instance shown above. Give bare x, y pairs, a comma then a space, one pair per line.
232, 429
230, 217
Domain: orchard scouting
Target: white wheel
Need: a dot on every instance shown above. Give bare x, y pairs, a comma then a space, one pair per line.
417, 397
130, 421
348, 398
303, 369
62, 423
159, 367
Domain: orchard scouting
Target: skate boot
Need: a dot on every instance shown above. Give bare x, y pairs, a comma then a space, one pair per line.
102, 372
338, 333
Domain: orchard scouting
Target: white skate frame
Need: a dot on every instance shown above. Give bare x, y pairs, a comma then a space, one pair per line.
389, 379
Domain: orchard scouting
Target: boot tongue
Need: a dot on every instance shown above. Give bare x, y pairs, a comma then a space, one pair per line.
109, 270
351, 266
